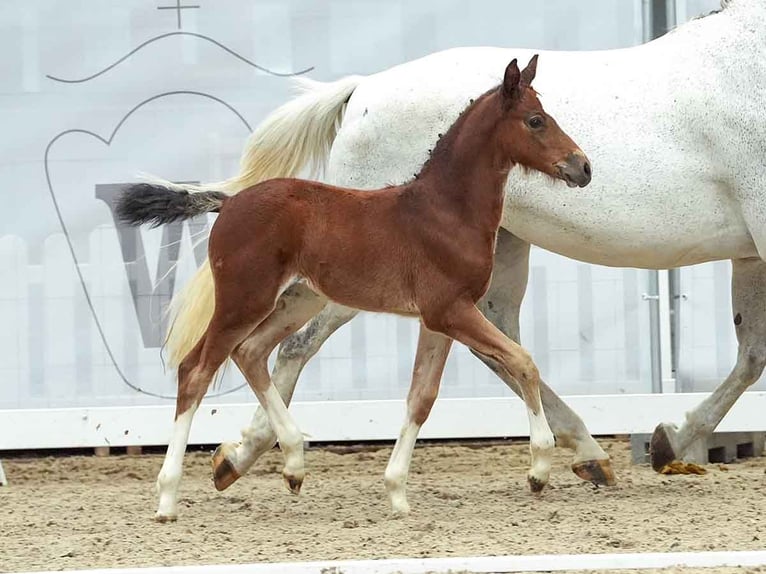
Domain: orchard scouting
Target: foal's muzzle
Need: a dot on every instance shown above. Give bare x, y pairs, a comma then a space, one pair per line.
575, 170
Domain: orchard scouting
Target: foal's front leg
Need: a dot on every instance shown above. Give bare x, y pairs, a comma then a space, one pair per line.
502, 306
465, 323
433, 349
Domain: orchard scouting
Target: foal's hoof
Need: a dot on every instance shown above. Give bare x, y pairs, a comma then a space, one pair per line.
224, 473
163, 518
598, 472
535, 484
662, 450
293, 482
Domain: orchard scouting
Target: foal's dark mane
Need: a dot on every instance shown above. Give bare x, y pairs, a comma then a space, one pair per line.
447, 140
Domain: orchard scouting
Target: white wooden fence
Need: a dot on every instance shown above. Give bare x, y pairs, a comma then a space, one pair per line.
587, 327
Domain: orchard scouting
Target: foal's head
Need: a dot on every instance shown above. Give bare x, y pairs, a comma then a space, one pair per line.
530, 137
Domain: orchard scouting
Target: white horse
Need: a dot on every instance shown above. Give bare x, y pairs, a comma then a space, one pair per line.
676, 130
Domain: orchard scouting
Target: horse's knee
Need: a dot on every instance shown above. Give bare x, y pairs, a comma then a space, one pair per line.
191, 389
191, 384
752, 362
251, 352
524, 368
420, 402
300, 345
528, 372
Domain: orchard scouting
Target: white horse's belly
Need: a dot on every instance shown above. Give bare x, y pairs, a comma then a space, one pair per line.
598, 229
656, 199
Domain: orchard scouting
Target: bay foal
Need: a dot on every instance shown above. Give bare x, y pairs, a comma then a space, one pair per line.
422, 249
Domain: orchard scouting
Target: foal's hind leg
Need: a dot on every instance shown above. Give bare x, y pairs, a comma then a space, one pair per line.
255, 368
502, 305
433, 349
294, 352
190, 393
749, 308
465, 323
241, 303
195, 373
297, 305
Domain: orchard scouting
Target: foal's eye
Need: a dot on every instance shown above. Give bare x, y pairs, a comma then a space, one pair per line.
536, 122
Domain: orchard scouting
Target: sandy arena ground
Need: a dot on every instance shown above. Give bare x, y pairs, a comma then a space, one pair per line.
467, 499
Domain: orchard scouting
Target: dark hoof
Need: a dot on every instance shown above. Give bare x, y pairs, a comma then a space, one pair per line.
535, 485
163, 519
224, 473
661, 450
294, 484
598, 472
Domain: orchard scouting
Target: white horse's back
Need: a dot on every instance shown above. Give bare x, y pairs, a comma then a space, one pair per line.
668, 171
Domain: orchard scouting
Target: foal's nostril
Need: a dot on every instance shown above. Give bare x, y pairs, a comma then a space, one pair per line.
586, 168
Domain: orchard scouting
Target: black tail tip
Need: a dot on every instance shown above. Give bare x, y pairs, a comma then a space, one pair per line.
141, 203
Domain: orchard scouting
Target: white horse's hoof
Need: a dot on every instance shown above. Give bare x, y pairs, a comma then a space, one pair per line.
663, 446
163, 518
293, 481
537, 483
400, 511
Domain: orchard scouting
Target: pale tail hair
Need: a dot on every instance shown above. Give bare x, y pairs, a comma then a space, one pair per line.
296, 136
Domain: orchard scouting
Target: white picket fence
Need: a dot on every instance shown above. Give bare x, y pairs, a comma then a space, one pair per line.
587, 327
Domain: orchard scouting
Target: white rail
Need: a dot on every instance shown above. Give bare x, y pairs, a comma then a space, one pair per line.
495, 564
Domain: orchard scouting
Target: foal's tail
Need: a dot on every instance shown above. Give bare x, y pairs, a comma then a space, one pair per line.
296, 136
159, 204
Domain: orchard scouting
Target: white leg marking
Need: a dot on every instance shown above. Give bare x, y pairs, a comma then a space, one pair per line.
256, 440
288, 433
301, 305
172, 468
541, 444
588, 449
399, 466
259, 437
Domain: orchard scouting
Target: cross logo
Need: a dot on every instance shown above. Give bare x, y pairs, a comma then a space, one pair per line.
178, 7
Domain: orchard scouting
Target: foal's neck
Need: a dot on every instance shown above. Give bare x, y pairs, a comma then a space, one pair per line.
467, 169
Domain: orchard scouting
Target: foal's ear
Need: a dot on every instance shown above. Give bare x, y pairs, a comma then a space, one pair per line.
528, 74
511, 81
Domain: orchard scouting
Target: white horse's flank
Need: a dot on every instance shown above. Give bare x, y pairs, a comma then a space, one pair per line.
676, 130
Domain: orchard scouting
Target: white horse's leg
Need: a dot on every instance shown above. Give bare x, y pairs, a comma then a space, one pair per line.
433, 349
297, 305
502, 305
749, 307
231, 460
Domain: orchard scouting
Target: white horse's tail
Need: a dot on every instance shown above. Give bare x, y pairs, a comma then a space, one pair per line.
295, 136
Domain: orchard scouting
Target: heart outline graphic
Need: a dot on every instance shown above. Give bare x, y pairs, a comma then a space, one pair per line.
70, 244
